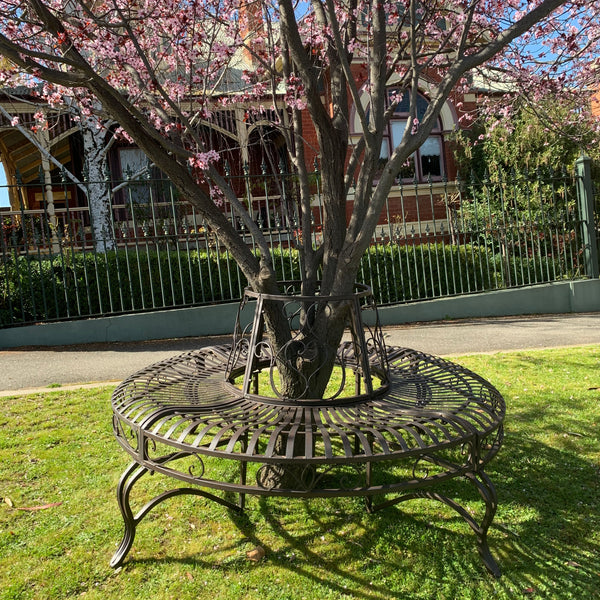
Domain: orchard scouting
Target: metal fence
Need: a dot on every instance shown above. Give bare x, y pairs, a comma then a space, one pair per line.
153, 251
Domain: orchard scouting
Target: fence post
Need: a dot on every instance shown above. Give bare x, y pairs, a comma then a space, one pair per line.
585, 197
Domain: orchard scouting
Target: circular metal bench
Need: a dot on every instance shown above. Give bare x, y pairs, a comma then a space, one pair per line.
198, 418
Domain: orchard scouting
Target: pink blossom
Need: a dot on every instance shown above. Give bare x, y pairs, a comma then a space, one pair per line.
185, 67
203, 160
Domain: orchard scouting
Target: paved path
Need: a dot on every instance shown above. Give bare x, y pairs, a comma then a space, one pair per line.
31, 368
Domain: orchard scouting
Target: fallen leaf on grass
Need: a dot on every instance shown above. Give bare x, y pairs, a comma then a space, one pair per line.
256, 554
572, 563
8, 501
41, 507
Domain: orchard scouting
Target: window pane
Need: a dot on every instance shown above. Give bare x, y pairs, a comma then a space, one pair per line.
132, 160
404, 105
407, 170
384, 153
431, 157
397, 128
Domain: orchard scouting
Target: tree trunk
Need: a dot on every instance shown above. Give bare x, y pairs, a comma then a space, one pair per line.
304, 350
99, 197
294, 341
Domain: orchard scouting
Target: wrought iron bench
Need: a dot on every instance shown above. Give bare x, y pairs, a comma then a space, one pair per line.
413, 422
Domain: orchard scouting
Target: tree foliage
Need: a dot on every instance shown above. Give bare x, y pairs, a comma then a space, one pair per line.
162, 68
527, 141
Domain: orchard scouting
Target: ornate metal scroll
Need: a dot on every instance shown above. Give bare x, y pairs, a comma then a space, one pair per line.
362, 358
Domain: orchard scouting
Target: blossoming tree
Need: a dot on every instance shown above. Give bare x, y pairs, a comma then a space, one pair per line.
157, 68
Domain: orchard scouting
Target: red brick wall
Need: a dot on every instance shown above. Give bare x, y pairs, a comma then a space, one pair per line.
596, 105
407, 209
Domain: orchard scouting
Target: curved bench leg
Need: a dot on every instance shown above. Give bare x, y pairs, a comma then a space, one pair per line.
128, 479
487, 491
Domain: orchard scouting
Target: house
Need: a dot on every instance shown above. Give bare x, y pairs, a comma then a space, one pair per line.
595, 103
38, 144
32, 152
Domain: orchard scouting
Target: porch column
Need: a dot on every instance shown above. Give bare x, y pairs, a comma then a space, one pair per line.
44, 140
243, 139
242, 134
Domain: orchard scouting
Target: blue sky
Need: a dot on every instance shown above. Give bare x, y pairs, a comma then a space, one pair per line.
3, 189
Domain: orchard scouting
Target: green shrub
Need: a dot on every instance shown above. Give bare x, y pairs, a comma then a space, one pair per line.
416, 272
39, 288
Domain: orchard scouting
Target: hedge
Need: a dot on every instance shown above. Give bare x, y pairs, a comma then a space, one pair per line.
38, 288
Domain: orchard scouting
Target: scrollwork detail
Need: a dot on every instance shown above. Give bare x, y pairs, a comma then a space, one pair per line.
128, 433
422, 465
269, 477
193, 467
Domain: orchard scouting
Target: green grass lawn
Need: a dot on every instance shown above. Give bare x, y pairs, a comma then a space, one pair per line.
59, 521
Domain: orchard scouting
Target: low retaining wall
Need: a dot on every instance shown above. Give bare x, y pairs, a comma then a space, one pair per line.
218, 319
562, 297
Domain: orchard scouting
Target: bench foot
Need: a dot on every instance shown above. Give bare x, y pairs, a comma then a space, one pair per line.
130, 477
487, 492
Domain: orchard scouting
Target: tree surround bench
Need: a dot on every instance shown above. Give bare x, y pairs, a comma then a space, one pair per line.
215, 421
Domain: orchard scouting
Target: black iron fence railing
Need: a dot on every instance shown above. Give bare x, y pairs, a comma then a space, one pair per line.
138, 246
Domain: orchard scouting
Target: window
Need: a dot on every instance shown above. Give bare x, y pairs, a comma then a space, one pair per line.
428, 160
132, 162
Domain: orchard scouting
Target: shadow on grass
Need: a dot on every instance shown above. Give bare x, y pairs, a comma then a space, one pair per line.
550, 514
544, 534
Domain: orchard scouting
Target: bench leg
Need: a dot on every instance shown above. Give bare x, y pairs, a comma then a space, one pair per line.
487, 492
127, 481
130, 477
